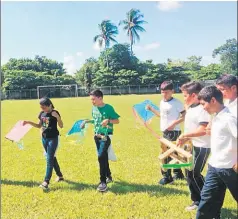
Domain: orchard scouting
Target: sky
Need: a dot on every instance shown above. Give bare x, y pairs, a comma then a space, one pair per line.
64, 31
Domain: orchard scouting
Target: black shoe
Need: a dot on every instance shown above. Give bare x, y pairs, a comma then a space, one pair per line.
166, 180
109, 180
178, 176
59, 179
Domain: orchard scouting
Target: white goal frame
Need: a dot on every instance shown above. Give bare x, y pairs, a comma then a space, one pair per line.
60, 86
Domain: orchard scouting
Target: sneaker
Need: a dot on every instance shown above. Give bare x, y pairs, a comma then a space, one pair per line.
166, 180
102, 187
59, 179
44, 186
178, 176
192, 207
109, 180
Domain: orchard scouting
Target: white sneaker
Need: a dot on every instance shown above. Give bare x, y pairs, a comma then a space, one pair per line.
192, 207
44, 186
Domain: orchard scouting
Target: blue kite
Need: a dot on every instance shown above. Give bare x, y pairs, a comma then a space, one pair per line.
77, 130
144, 114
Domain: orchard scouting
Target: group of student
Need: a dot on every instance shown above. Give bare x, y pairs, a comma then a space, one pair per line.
209, 123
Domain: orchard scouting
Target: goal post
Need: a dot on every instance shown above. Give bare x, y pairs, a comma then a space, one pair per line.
70, 90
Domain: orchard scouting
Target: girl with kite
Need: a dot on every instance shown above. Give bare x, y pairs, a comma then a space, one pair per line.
104, 116
48, 120
171, 114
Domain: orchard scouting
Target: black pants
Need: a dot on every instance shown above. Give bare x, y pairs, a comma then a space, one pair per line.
194, 178
171, 136
213, 192
102, 148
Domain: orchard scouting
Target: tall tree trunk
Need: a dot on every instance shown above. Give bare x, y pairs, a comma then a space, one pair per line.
106, 55
131, 39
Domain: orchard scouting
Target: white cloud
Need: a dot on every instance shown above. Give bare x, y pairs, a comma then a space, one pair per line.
207, 60
70, 64
147, 47
97, 47
80, 54
3, 61
168, 5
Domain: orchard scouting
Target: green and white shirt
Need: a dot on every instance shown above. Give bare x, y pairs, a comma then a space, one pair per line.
101, 113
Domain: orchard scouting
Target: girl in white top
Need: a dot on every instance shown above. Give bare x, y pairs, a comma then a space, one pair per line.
196, 120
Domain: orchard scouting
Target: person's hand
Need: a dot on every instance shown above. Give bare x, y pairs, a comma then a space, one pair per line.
105, 122
208, 130
25, 123
82, 126
148, 107
55, 114
181, 140
171, 127
235, 168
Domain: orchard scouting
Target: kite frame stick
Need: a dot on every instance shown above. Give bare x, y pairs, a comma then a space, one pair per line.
172, 147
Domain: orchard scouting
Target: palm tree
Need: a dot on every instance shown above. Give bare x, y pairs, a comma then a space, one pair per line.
108, 32
133, 25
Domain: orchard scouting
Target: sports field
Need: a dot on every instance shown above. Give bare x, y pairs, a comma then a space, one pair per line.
135, 192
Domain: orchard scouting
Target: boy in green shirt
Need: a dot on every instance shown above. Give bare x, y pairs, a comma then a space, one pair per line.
104, 116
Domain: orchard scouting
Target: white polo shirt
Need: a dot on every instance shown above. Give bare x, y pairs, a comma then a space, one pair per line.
223, 140
169, 112
232, 106
195, 116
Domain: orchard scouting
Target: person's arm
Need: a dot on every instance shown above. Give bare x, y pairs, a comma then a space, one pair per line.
200, 131
91, 121
33, 124
150, 108
105, 122
178, 121
113, 118
59, 120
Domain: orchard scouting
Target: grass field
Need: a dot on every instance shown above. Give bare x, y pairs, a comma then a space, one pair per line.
135, 192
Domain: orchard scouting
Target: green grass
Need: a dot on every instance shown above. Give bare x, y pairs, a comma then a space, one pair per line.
135, 192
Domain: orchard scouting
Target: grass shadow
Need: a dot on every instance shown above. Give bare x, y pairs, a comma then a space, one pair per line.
227, 213
118, 187
122, 187
20, 183
75, 186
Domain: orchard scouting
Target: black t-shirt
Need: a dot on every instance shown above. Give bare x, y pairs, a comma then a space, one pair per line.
49, 124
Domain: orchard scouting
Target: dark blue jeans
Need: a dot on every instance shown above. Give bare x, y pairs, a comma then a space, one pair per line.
213, 192
102, 148
50, 145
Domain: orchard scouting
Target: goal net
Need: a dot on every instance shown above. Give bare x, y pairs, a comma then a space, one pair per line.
55, 91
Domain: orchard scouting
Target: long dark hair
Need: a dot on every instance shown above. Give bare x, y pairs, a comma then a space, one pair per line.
45, 101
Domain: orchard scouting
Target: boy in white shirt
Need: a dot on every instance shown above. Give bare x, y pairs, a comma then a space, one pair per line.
171, 114
222, 168
196, 120
227, 84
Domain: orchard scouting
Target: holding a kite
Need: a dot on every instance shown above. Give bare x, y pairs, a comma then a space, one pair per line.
171, 113
104, 117
48, 120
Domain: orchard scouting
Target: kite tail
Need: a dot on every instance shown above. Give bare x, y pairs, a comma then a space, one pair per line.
20, 145
82, 134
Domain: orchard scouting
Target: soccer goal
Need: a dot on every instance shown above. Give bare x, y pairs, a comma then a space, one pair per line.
54, 91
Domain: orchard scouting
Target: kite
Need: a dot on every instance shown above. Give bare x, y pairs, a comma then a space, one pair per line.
141, 112
181, 157
77, 130
17, 133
